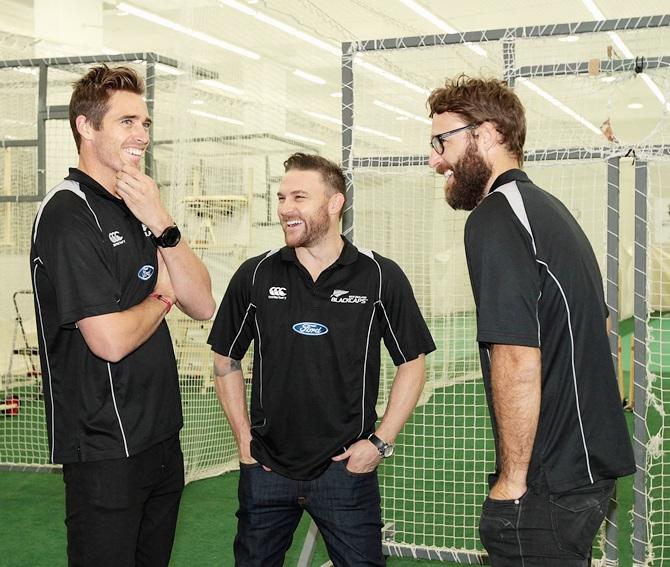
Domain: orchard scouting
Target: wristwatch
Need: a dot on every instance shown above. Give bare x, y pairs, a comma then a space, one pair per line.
385, 449
169, 238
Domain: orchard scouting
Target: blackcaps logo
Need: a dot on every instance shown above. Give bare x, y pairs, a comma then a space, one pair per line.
310, 329
277, 292
342, 296
145, 272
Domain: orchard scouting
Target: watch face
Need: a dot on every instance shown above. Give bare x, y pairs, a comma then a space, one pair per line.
388, 450
170, 237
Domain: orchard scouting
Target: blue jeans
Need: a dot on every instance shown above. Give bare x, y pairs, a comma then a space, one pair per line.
346, 508
545, 530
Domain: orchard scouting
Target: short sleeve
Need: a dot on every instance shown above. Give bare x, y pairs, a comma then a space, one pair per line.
504, 275
404, 330
76, 260
232, 330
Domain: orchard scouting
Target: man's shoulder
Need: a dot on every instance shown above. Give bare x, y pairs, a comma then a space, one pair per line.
265, 261
374, 260
62, 207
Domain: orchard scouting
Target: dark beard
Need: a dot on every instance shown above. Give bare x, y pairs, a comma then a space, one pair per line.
471, 174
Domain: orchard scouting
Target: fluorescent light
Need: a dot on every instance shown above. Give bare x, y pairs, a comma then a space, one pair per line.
377, 133
325, 117
569, 38
358, 59
333, 50
653, 87
608, 79
309, 77
260, 16
593, 8
197, 101
221, 86
627, 53
336, 94
440, 23
403, 113
216, 117
206, 38
304, 139
558, 104
635, 105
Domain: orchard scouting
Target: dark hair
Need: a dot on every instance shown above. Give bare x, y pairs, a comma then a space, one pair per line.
92, 92
331, 173
484, 100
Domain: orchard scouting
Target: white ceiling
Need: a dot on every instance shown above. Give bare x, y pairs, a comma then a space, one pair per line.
269, 80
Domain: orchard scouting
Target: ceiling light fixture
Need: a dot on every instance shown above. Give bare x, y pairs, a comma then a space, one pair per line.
212, 83
440, 23
558, 104
304, 139
201, 36
403, 113
309, 77
333, 50
216, 117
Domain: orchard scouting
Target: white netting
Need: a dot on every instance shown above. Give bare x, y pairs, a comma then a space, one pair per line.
432, 490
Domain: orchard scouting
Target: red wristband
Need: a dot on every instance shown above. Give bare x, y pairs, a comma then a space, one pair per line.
164, 299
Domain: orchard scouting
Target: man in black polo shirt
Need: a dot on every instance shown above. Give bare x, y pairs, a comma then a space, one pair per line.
559, 429
317, 311
107, 265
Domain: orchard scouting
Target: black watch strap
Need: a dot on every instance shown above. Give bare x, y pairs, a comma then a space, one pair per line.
169, 238
385, 449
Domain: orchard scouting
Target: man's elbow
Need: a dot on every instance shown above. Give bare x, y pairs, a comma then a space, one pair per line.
205, 311
108, 351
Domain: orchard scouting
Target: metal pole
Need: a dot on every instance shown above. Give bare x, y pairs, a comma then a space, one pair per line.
640, 358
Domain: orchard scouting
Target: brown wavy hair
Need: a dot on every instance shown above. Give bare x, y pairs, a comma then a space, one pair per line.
484, 100
92, 92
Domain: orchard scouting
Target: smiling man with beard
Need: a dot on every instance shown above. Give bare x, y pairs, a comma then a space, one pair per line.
559, 430
317, 311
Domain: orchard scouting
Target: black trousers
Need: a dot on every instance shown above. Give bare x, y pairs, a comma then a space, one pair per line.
123, 512
545, 530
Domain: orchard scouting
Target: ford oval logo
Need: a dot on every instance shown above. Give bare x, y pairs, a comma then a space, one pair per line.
145, 272
310, 329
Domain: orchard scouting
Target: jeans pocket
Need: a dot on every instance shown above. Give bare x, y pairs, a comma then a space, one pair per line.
498, 527
576, 516
248, 466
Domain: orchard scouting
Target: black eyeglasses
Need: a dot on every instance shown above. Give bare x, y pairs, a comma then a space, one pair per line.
437, 139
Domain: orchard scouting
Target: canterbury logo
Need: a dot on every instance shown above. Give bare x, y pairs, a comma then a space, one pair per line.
115, 238
277, 292
342, 296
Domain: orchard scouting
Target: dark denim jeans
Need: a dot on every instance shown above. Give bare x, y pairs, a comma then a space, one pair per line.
545, 530
346, 508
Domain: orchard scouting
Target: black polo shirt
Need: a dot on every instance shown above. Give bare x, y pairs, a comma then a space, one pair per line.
537, 283
316, 350
90, 256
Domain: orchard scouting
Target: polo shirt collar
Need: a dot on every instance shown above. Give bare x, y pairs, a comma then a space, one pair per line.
348, 255
84, 179
507, 177
91, 184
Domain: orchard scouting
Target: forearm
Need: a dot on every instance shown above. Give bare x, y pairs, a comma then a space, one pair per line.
190, 280
517, 386
115, 335
405, 391
231, 392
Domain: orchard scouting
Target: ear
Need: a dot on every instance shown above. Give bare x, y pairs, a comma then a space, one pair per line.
84, 127
488, 135
335, 203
